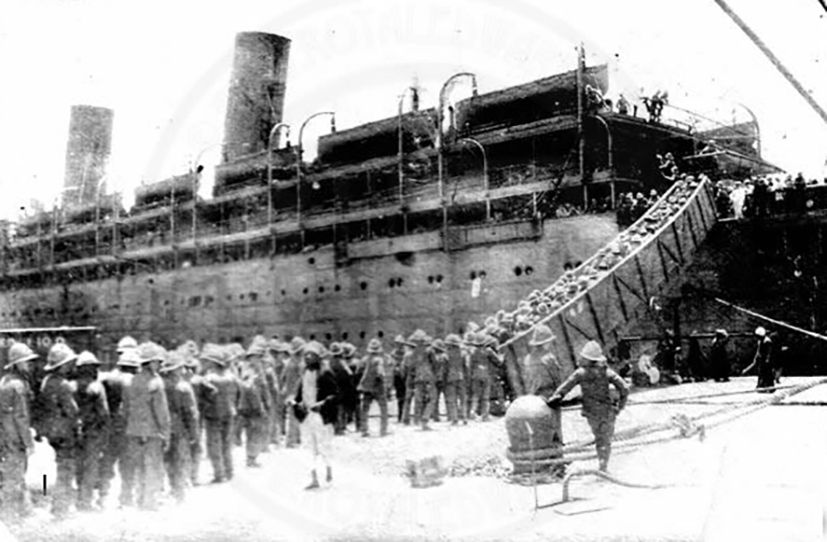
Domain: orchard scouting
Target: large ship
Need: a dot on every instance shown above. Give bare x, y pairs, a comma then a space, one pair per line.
428, 219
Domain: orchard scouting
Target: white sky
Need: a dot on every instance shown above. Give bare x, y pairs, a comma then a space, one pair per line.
164, 67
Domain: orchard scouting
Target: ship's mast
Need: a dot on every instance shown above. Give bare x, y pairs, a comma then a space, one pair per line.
775, 61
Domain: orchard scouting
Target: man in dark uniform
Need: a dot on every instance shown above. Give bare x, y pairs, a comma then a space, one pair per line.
440, 361
357, 368
60, 422
764, 361
290, 383
16, 442
503, 333
374, 386
424, 378
719, 356
90, 396
344, 381
599, 409
484, 364
183, 423
397, 357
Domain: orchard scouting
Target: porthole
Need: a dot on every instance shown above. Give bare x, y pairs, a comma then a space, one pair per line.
305, 291
337, 288
473, 275
380, 334
482, 274
439, 278
399, 281
311, 260
312, 336
529, 270
363, 285
362, 334
321, 289
518, 271
344, 336
391, 283
328, 336
283, 292
241, 296
430, 279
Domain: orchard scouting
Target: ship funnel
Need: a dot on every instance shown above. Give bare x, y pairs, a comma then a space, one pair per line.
256, 97
87, 153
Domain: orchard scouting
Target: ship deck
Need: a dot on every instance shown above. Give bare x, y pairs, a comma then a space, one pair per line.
759, 477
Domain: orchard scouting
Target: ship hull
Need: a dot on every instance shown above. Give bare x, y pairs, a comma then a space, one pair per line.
384, 287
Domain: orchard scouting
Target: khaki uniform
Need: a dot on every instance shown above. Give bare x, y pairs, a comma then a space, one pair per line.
202, 391
374, 387
456, 374
114, 383
398, 359
219, 414
253, 413
147, 429
424, 384
15, 440
483, 366
290, 384
183, 424
60, 424
95, 419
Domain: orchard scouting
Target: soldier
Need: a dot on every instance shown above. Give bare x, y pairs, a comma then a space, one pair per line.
357, 368
292, 376
504, 333
374, 386
255, 401
192, 373
279, 353
235, 357
90, 396
220, 411
344, 381
409, 371
594, 378
60, 422
424, 378
483, 366
455, 376
315, 401
271, 379
544, 374
440, 363
764, 360
397, 357
115, 383
183, 423
147, 428
15, 436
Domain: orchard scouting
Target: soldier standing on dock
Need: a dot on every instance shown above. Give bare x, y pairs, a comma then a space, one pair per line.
374, 386
456, 375
595, 379
220, 411
95, 419
15, 436
424, 378
183, 414
763, 360
397, 356
543, 373
290, 383
255, 402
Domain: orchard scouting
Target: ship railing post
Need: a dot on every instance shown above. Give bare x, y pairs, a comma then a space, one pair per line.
299, 166
439, 144
484, 175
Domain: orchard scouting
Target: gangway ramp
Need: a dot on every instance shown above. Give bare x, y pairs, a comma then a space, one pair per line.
604, 297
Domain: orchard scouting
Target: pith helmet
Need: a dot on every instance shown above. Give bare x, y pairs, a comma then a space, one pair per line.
87, 358
213, 353
278, 346
313, 347
348, 350
126, 343
438, 345
189, 348
234, 351
453, 340
419, 337
399, 339
374, 346
475, 339
473, 327
542, 335
60, 354
296, 345
258, 346
20, 352
173, 360
129, 358
150, 351
760, 331
591, 351
336, 349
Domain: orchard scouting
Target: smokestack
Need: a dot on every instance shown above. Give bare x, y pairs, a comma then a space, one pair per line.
256, 98
87, 152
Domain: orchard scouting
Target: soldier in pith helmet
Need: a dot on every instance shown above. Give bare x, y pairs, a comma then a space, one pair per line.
424, 378
344, 381
438, 354
90, 396
397, 358
220, 410
255, 402
147, 428
544, 374
60, 422
357, 368
290, 383
374, 386
15, 436
484, 364
183, 416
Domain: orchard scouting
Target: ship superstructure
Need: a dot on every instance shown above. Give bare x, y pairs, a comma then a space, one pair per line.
396, 224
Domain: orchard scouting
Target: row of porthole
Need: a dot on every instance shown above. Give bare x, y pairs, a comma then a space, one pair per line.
527, 270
